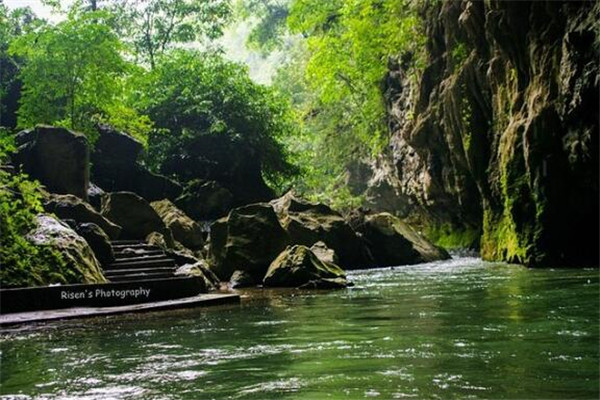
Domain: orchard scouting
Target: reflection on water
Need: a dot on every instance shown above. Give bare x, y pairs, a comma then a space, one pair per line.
454, 329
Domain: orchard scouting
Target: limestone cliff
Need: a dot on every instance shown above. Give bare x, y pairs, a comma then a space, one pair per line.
500, 135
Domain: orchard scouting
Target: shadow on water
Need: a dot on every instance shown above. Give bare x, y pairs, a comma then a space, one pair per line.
454, 329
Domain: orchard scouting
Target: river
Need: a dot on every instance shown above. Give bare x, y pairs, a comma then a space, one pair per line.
456, 329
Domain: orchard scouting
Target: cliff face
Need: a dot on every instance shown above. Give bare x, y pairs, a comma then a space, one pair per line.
501, 134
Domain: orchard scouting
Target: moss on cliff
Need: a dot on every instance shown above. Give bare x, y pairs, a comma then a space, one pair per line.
506, 129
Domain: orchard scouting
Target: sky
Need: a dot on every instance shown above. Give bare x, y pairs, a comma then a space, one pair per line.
261, 69
36, 5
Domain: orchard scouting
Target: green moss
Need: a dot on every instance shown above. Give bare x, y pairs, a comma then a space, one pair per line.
24, 264
453, 238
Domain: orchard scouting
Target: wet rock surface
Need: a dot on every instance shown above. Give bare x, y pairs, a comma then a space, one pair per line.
298, 266
74, 249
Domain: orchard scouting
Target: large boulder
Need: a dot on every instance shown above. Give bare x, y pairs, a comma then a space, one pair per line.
134, 214
241, 279
298, 266
200, 269
248, 239
115, 168
57, 157
308, 223
185, 230
393, 242
70, 207
205, 200
76, 252
98, 241
116, 147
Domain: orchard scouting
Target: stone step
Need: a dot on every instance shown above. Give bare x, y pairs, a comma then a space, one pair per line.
154, 257
138, 246
126, 242
117, 272
141, 276
121, 255
142, 264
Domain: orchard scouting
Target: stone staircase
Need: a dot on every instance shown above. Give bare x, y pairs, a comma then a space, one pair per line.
136, 260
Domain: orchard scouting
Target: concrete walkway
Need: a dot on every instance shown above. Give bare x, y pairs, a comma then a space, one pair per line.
86, 312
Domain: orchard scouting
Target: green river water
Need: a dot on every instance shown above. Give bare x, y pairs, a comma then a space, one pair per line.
456, 329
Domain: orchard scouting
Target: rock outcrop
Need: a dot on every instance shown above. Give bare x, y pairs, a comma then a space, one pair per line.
185, 230
393, 242
81, 263
200, 269
98, 240
248, 239
298, 266
135, 215
115, 167
71, 207
57, 157
308, 223
501, 135
241, 279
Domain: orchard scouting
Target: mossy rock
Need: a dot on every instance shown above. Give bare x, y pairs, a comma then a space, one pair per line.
185, 230
81, 263
248, 239
298, 266
393, 242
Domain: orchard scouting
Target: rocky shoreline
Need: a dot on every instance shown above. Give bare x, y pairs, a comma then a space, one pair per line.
268, 241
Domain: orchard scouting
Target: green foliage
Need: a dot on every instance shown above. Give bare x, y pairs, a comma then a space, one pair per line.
269, 19
73, 73
23, 264
453, 238
350, 43
191, 93
155, 26
335, 80
12, 24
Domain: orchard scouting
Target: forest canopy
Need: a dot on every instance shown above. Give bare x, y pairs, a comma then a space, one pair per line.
156, 70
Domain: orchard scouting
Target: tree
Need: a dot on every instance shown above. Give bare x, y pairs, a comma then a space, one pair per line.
157, 25
191, 93
73, 73
12, 25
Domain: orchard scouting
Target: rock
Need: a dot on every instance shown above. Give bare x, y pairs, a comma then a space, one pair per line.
95, 196
501, 134
248, 239
326, 283
230, 161
308, 223
201, 269
70, 207
185, 230
205, 200
116, 147
115, 168
98, 241
57, 157
134, 214
164, 242
75, 250
241, 279
298, 265
182, 255
324, 253
393, 242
